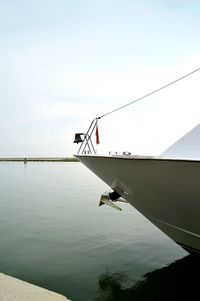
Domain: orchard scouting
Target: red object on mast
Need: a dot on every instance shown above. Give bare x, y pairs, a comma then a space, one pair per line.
97, 135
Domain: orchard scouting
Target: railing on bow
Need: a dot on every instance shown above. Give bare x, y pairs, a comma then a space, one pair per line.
86, 140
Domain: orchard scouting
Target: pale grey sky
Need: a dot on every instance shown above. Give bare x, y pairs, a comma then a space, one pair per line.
64, 62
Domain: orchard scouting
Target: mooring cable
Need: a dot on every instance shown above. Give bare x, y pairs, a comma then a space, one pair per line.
148, 94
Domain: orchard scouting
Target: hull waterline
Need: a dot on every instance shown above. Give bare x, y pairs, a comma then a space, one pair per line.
166, 191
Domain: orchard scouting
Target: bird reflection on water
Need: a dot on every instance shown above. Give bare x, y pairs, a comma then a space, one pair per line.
178, 281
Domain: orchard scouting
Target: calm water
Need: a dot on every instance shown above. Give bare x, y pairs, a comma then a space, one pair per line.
53, 234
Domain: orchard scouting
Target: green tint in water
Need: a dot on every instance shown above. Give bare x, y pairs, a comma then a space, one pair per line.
53, 233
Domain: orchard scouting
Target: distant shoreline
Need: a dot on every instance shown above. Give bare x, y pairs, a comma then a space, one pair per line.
25, 160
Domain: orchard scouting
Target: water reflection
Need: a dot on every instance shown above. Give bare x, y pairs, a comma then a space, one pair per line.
179, 280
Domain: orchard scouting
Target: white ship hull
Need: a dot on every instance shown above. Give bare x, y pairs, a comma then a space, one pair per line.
166, 191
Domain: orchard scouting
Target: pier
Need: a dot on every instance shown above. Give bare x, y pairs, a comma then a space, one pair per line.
13, 289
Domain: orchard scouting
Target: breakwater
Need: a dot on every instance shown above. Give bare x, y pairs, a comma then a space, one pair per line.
42, 159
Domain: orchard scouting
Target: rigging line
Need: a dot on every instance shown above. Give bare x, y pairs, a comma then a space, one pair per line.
146, 95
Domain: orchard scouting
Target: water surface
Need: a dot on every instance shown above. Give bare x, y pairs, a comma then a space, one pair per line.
53, 234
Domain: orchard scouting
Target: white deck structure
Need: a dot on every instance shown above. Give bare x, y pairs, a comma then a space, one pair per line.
187, 147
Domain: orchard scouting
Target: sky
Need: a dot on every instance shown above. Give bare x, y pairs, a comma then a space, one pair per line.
65, 62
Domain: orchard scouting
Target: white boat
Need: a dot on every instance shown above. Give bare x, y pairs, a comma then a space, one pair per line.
165, 189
